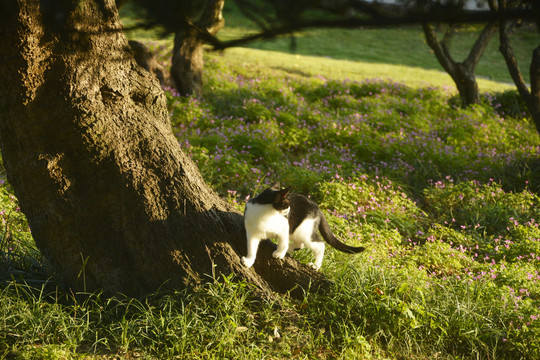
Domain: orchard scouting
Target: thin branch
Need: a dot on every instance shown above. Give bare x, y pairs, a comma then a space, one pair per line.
449, 33
480, 45
508, 54
251, 13
441, 52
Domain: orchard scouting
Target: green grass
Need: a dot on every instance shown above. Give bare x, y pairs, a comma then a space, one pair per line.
312, 66
444, 199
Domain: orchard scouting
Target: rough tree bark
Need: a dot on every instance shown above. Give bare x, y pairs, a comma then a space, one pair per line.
532, 97
111, 199
463, 73
187, 60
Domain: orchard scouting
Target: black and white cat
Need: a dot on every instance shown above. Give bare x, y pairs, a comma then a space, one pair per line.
291, 218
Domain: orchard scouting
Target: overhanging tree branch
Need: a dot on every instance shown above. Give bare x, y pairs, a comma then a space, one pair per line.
379, 21
280, 18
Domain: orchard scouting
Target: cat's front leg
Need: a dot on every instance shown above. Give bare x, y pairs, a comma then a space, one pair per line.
252, 246
283, 246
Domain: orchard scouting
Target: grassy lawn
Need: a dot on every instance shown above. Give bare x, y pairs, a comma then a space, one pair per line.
444, 199
313, 66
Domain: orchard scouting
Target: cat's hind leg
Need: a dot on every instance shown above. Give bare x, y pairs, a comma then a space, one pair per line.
252, 246
293, 246
318, 252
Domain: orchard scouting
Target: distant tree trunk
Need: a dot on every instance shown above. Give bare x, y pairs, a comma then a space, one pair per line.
534, 106
148, 61
463, 73
532, 97
187, 60
111, 199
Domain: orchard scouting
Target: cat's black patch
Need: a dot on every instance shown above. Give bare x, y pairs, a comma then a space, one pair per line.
301, 208
275, 196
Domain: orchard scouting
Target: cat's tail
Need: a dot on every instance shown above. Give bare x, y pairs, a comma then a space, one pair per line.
329, 237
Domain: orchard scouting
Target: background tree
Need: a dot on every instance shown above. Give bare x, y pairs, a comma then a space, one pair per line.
187, 59
148, 61
186, 71
530, 97
463, 73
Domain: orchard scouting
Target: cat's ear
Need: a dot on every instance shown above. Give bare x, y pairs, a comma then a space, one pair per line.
276, 186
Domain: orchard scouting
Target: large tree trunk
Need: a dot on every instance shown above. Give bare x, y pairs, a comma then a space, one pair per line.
187, 60
463, 73
111, 199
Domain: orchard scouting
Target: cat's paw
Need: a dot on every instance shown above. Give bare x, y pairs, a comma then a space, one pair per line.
247, 262
313, 266
279, 254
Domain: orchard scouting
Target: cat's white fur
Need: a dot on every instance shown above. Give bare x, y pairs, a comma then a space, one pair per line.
265, 222
302, 236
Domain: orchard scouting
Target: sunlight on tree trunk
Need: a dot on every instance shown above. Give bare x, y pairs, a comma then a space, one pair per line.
111, 199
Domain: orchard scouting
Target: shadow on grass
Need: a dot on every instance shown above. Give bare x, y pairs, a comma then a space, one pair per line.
22, 263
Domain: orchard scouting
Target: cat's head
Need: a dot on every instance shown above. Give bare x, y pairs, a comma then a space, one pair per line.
276, 196
281, 197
